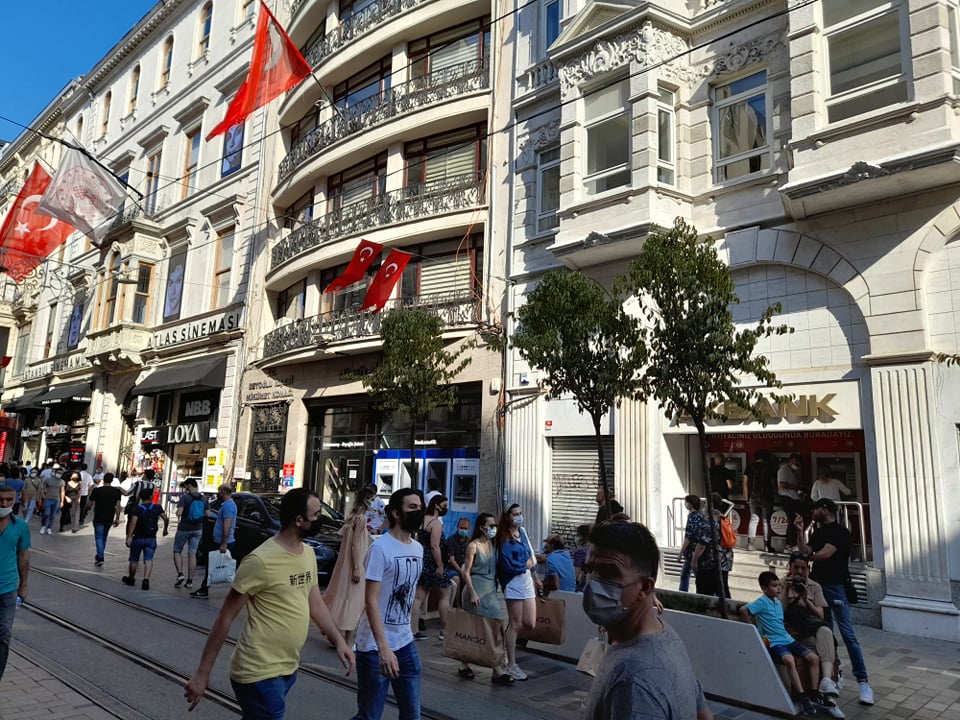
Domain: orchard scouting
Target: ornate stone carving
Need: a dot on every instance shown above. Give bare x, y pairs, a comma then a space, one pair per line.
733, 60
647, 45
542, 137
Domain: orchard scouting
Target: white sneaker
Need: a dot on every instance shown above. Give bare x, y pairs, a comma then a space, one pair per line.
827, 706
866, 694
829, 688
516, 673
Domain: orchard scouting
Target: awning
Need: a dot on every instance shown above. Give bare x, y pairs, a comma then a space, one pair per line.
75, 392
206, 374
27, 401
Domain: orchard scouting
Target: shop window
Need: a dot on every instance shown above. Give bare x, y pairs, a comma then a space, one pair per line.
191, 162
358, 187
741, 127
866, 61
548, 190
666, 137
163, 408
141, 296
607, 125
458, 157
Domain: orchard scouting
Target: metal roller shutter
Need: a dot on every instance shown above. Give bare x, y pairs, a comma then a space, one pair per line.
575, 479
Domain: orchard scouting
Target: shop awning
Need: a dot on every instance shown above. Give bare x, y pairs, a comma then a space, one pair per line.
208, 374
74, 392
28, 401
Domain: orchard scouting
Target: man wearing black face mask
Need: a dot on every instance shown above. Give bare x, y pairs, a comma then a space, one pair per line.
646, 671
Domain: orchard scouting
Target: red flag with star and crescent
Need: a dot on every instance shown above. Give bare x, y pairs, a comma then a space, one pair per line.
27, 237
276, 66
362, 259
385, 280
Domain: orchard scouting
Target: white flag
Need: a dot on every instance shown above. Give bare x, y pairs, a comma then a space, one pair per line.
83, 194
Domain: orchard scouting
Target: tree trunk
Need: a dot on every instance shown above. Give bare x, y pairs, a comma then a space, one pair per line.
604, 484
714, 539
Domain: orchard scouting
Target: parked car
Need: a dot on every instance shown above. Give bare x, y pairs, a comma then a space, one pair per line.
258, 519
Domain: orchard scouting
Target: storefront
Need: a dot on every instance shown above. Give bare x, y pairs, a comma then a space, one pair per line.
29, 433
68, 414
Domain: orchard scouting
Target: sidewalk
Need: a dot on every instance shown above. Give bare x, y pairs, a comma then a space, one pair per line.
29, 691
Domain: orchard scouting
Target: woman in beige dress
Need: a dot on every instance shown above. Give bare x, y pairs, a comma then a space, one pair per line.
345, 593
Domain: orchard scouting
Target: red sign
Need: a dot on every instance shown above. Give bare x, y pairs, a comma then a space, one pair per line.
288, 468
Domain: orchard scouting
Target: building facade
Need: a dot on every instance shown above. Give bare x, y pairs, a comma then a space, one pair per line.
814, 143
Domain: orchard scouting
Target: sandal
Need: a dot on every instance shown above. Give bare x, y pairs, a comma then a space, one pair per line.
466, 673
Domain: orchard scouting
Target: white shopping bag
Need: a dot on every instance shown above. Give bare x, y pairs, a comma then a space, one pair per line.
223, 568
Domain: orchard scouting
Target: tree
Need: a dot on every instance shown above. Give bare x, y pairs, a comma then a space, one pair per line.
416, 372
698, 360
579, 336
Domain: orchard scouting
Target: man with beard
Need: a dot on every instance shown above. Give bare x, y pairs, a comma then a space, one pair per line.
277, 584
386, 650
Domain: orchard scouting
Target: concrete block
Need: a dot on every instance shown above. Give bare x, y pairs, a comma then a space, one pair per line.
893, 303
766, 244
742, 246
786, 246
807, 250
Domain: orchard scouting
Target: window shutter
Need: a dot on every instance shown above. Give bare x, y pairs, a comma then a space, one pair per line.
447, 275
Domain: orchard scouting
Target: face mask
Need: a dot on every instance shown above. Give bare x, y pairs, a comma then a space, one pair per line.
443, 511
4, 512
491, 532
518, 520
463, 533
601, 602
411, 521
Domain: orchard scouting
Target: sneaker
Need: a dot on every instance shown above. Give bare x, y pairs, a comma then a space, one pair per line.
829, 688
181, 579
807, 707
188, 584
98, 563
502, 679
866, 694
440, 636
828, 707
201, 593
128, 581
419, 636
516, 673
145, 584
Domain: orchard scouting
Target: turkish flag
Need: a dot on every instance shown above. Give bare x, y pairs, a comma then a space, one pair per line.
385, 280
362, 259
276, 67
27, 237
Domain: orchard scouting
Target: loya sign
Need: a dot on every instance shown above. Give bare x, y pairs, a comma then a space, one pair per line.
190, 433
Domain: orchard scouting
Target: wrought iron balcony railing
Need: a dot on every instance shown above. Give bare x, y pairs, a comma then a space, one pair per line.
455, 309
409, 203
438, 86
356, 26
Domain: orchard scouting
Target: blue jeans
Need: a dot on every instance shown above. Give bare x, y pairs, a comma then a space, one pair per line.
8, 606
100, 533
372, 686
685, 575
836, 598
50, 508
28, 509
265, 699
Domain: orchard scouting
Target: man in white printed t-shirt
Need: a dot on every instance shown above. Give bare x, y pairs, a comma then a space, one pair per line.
386, 650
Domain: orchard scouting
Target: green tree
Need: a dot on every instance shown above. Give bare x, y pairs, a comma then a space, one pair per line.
698, 360
579, 336
417, 370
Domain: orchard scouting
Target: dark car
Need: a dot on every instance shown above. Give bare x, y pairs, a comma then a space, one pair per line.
258, 519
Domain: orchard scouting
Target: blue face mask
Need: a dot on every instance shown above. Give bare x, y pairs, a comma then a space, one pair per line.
463, 533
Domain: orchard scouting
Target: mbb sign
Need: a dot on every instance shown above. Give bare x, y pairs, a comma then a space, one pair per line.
197, 407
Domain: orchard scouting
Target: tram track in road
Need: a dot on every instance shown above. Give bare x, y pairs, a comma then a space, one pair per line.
321, 674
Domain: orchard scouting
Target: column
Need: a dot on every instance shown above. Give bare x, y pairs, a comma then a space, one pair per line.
629, 460
526, 463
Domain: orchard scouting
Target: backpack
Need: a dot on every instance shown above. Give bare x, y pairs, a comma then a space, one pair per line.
197, 509
728, 536
148, 522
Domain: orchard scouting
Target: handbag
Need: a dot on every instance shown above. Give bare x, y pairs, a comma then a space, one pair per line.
549, 628
728, 536
593, 652
223, 568
473, 639
853, 597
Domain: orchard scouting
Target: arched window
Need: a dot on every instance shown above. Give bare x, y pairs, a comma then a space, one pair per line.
134, 89
166, 62
206, 18
105, 116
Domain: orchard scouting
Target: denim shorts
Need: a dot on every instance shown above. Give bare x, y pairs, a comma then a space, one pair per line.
796, 648
265, 699
188, 538
148, 546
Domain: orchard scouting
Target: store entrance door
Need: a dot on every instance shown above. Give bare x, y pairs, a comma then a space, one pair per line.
266, 447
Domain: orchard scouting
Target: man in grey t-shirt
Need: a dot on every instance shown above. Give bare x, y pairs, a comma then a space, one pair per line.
646, 673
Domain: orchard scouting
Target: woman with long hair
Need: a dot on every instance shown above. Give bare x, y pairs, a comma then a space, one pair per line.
480, 586
520, 583
434, 574
71, 509
345, 592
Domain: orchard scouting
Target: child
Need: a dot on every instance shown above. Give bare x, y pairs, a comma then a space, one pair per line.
768, 613
142, 536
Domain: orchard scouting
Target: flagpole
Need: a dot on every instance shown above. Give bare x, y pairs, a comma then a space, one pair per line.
326, 95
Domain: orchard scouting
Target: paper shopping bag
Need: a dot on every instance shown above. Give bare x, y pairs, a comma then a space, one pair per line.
550, 622
593, 652
473, 639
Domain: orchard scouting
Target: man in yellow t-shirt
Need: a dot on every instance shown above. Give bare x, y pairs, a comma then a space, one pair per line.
277, 583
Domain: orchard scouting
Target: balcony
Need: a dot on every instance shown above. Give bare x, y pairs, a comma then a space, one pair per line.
451, 82
463, 192
356, 26
118, 347
539, 76
455, 309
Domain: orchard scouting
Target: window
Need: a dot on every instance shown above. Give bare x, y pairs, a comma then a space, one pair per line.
206, 18
22, 356
191, 162
363, 91
450, 53
166, 62
457, 157
300, 213
246, 10
607, 121
548, 190
232, 150
348, 298
153, 183
112, 292
291, 303
443, 270
134, 90
48, 346
80, 128
105, 115
222, 267
355, 9
141, 297
361, 185
742, 145
304, 126
666, 140
551, 23
866, 64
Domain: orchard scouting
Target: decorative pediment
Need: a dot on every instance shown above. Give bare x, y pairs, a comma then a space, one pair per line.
154, 137
193, 111
591, 17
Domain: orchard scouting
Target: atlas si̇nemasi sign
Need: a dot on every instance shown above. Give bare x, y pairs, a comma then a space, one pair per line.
226, 321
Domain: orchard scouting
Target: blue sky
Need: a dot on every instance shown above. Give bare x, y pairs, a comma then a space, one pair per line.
46, 44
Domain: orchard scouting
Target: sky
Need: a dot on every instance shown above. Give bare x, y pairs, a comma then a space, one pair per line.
47, 44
